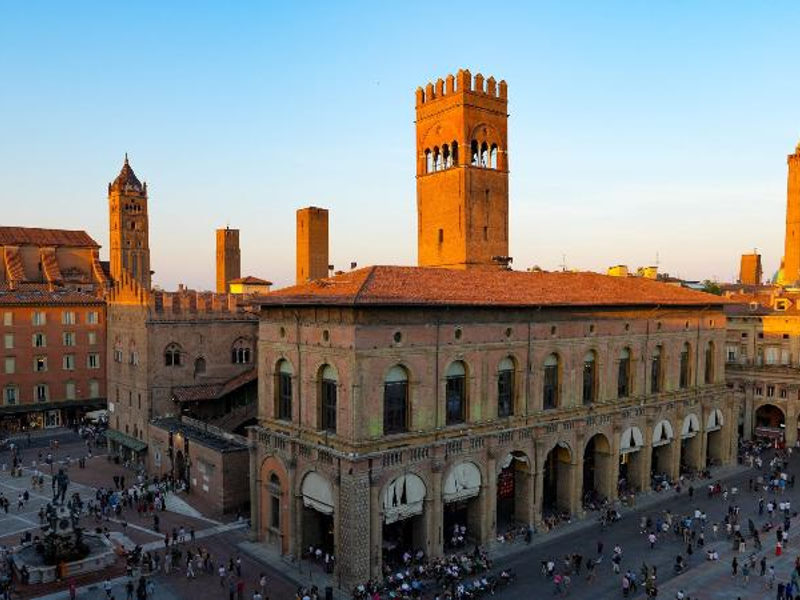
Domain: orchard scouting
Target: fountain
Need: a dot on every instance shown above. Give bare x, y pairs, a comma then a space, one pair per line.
64, 549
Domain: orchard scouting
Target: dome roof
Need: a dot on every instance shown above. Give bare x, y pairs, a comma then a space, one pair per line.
127, 178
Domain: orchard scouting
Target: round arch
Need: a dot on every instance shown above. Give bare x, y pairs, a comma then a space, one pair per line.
715, 420
662, 433
690, 427
463, 482
403, 497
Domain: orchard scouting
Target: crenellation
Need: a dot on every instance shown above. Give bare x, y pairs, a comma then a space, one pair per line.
491, 86
429, 94
450, 84
462, 81
478, 87
439, 87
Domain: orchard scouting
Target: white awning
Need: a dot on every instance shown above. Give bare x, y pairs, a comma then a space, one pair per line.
464, 481
404, 497
691, 425
714, 420
317, 493
510, 458
662, 433
631, 440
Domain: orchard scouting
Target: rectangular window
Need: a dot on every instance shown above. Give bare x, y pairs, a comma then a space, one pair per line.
783, 393
683, 380
655, 375
730, 353
395, 395
770, 391
69, 338
785, 356
40, 364
11, 395
94, 389
771, 356
328, 405
8, 318
759, 390
39, 340
8, 341
275, 513
92, 338
38, 318
68, 362
623, 378
744, 334
11, 365
68, 317
550, 386
505, 393
70, 390
93, 361
455, 392
40, 392
92, 317
285, 396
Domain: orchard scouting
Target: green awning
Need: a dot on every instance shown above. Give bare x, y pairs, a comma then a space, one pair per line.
125, 440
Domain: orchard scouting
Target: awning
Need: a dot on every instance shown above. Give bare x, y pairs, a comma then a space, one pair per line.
464, 481
317, 493
769, 432
404, 497
631, 440
715, 420
125, 440
691, 425
662, 434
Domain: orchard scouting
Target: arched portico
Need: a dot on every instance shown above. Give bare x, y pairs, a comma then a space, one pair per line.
715, 451
770, 422
557, 484
461, 509
514, 497
692, 458
632, 476
316, 506
597, 484
662, 463
402, 508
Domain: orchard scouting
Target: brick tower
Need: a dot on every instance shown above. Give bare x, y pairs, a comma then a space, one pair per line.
462, 172
312, 244
229, 258
129, 227
790, 273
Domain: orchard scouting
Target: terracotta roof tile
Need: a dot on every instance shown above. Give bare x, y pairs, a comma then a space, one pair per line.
37, 296
35, 236
250, 280
385, 285
212, 391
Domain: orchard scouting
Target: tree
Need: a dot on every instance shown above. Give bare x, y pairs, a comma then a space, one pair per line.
712, 287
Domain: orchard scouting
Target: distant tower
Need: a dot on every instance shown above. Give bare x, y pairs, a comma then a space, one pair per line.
229, 258
750, 271
129, 228
312, 244
790, 273
462, 172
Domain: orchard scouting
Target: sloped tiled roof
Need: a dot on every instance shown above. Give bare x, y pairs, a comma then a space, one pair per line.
250, 280
36, 236
415, 286
44, 297
212, 391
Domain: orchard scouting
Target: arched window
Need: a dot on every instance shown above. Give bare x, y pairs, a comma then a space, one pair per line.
428, 161
437, 159
589, 377
454, 152
448, 160
710, 363
624, 374
656, 371
550, 386
484, 154
505, 388
395, 401
475, 154
456, 393
240, 352
283, 390
493, 156
172, 355
328, 381
199, 365
683, 381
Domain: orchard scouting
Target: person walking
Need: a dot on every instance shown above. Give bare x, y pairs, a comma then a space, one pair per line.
734, 567
652, 539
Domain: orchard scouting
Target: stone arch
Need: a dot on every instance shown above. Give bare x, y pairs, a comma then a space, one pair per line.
715, 446
557, 491
769, 421
403, 496
691, 445
715, 420
462, 488
631, 476
662, 464
317, 505
514, 490
691, 426
597, 484
274, 496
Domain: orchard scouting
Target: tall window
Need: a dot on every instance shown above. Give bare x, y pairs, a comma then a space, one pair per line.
38, 318
655, 371
456, 393
395, 401
589, 377
68, 362
624, 374
550, 399
199, 364
283, 408
69, 338
710, 363
92, 317
328, 383
240, 352
172, 356
39, 340
94, 388
40, 392
93, 361
683, 380
505, 388
11, 395
68, 317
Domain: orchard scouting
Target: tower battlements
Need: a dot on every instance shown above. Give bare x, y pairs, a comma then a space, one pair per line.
794, 158
462, 83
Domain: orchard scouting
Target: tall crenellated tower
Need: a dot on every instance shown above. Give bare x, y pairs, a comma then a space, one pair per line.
312, 244
229, 258
790, 270
462, 172
129, 227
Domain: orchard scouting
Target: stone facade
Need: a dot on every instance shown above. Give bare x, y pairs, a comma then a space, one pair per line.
462, 172
750, 271
129, 227
312, 244
229, 259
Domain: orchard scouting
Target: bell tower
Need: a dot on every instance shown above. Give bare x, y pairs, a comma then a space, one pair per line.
129, 227
462, 172
790, 270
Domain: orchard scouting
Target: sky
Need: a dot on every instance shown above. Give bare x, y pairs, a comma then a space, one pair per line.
638, 131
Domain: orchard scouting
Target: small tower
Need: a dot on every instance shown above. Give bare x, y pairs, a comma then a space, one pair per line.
790, 272
462, 172
129, 227
750, 271
229, 258
312, 244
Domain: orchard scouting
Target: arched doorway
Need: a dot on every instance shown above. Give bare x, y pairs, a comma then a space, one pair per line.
317, 513
513, 497
714, 440
770, 423
661, 469
462, 515
691, 459
630, 477
180, 467
274, 499
403, 504
556, 484
596, 471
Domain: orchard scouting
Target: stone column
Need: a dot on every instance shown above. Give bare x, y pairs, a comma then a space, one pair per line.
489, 500
434, 512
376, 530
749, 412
612, 485
256, 490
646, 458
791, 424
352, 528
537, 466
576, 485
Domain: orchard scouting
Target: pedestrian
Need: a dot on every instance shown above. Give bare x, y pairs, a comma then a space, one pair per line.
231, 590
262, 583
238, 566
129, 590
746, 573
240, 589
107, 587
762, 566
189, 567
150, 588
734, 567
73, 591
221, 575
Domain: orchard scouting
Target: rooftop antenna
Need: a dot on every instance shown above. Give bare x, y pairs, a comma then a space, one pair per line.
563, 264
658, 261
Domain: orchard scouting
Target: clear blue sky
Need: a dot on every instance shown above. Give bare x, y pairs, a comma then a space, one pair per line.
636, 128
